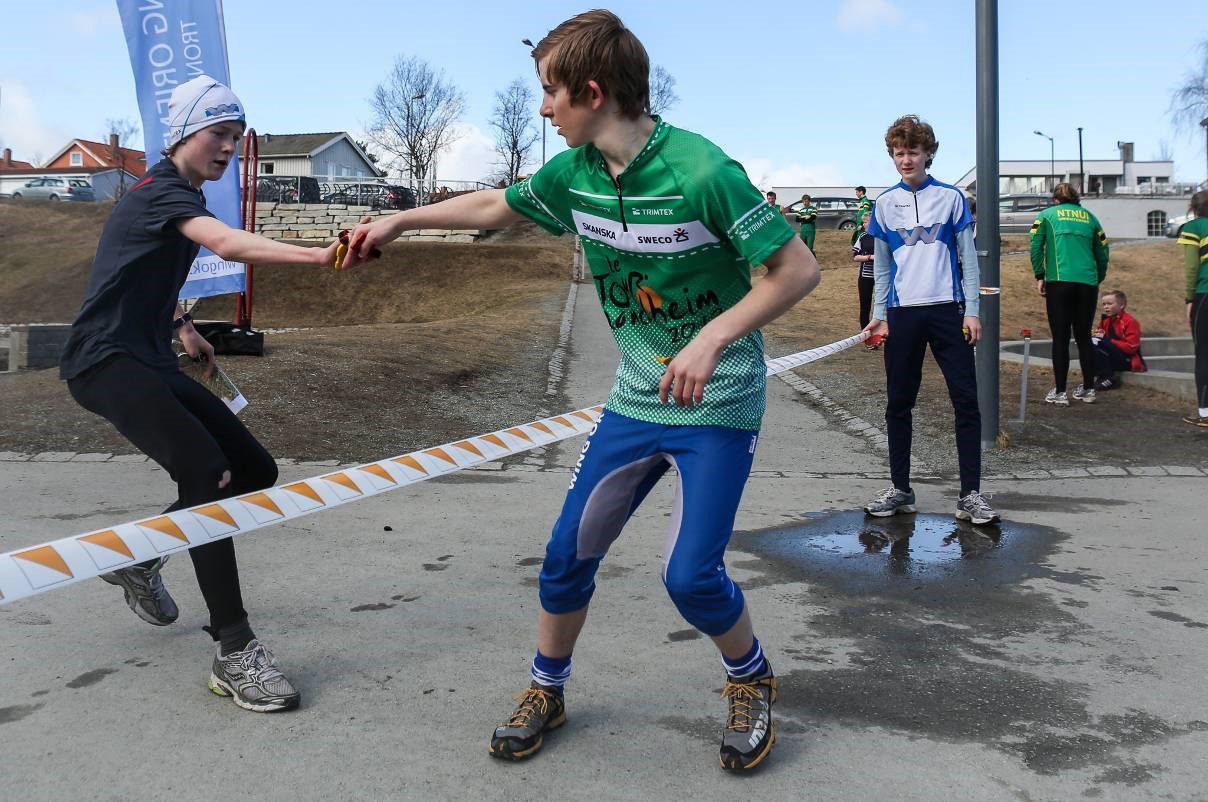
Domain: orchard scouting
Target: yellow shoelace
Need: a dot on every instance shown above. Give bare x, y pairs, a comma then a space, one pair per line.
740, 695
533, 702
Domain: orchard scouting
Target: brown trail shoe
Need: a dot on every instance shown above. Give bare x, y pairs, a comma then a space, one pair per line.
541, 709
749, 732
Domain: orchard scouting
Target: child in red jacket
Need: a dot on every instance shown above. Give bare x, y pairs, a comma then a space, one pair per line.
1117, 342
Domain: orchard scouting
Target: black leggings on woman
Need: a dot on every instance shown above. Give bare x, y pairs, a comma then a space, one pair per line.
192, 435
865, 286
1199, 336
1071, 305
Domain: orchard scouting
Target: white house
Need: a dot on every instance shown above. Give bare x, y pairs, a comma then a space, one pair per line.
326, 156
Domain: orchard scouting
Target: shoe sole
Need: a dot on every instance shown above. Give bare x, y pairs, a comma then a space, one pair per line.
961, 515
220, 688
905, 508
132, 602
507, 754
1196, 423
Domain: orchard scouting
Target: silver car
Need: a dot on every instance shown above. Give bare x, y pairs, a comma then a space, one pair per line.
1016, 213
56, 189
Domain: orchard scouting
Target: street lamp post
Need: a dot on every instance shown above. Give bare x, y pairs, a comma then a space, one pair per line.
1081, 171
544, 121
1051, 170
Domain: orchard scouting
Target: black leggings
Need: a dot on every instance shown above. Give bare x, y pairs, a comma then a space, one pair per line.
1199, 335
1071, 305
865, 286
192, 435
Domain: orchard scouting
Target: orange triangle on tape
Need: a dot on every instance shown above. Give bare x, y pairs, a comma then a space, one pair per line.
46, 556
109, 540
468, 446
494, 439
517, 432
303, 489
439, 453
585, 416
412, 463
343, 480
262, 501
542, 427
165, 525
599, 409
561, 421
218, 513
378, 471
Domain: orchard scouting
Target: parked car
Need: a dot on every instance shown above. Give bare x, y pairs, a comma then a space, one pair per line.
287, 189
56, 189
1016, 213
395, 197
1174, 226
837, 213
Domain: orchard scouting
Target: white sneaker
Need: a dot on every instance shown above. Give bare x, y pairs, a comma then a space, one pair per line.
1084, 395
1054, 397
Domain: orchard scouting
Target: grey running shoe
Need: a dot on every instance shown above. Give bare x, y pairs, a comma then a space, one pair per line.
252, 679
750, 731
1054, 397
975, 508
890, 501
1084, 395
145, 592
1196, 420
541, 709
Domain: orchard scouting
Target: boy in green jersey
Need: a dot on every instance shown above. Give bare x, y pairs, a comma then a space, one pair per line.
671, 228
863, 207
807, 216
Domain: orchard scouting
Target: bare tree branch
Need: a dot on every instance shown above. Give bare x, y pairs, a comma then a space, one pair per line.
414, 111
1189, 103
515, 134
125, 130
662, 90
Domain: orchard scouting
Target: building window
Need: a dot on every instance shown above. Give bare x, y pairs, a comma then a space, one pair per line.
77, 158
266, 168
1155, 223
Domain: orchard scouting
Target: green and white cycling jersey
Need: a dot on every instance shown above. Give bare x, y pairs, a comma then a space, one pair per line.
670, 243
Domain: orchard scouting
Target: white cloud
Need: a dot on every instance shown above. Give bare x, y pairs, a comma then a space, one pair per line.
765, 174
21, 127
471, 158
862, 15
89, 23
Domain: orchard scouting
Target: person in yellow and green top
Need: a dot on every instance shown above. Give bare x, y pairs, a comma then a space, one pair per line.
807, 216
864, 207
1069, 260
1194, 240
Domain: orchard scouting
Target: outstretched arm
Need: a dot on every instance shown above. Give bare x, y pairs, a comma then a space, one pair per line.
236, 245
487, 208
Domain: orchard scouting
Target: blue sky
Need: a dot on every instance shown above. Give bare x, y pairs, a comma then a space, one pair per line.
801, 93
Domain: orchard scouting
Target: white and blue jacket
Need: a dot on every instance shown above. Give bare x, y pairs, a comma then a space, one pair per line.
925, 253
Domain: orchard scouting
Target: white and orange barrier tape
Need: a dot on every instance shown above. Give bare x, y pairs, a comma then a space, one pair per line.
58, 563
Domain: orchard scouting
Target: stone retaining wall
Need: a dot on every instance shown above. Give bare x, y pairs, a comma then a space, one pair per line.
36, 345
323, 221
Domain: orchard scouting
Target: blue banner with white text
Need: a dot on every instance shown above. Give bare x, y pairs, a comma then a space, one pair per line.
170, 42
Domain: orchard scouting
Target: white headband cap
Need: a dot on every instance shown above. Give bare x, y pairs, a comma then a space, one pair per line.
200, 103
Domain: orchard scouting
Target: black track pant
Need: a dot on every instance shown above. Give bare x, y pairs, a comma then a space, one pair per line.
1199, 335
911, 330
192, 435
1071, 306
1110, 359
865, 286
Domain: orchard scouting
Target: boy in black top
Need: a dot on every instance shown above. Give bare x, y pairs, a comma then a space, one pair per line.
119, 363
863, 253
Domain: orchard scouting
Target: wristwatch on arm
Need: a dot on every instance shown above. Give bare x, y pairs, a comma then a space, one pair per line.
180, 321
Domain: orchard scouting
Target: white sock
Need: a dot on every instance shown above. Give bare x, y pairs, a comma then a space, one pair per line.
1204, 412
